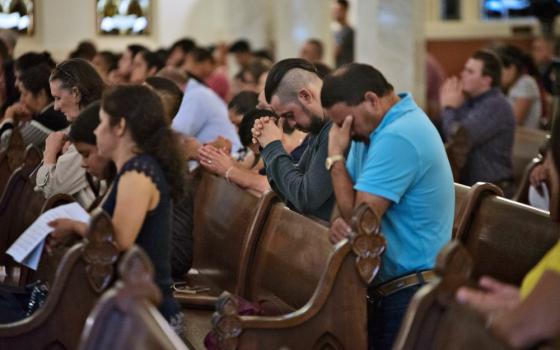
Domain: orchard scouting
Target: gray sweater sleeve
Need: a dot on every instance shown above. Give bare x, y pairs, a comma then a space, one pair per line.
307, 185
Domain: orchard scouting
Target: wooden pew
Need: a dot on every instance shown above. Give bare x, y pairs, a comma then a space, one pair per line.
85, 272
19, 204
495, 237
11, 158
522, 193
314, 293
227, 221
126, 316
525, 148
505, 238
457, 148
461, 192
434, 320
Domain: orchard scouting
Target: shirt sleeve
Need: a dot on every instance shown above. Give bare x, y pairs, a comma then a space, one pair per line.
451, 118
190, 118
307, 189
526, 87
390, 168
481, 122
66, 176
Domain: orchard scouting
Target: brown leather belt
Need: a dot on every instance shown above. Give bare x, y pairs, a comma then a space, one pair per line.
393, 286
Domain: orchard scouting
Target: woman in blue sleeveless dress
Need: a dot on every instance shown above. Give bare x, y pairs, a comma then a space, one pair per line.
150, 173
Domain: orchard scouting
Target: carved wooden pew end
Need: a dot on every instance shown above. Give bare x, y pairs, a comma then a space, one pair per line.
85, 271
126, 317
339, 298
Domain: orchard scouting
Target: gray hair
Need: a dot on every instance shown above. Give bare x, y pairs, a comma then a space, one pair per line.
295, 80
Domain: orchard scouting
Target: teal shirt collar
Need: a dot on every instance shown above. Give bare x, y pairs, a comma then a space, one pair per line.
405, 105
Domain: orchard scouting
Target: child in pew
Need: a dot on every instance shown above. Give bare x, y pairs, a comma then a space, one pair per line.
151, 170
100, 171
525, 316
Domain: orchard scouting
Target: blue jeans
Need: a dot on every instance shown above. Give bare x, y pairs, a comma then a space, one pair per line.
385, 316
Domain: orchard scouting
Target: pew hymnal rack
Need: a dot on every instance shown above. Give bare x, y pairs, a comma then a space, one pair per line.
28, 247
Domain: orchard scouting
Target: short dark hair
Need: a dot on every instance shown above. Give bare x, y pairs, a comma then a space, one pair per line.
240, 46
36, 79
350, 83
280, 69
244, 101
343, 3
85, 49
264, 54
185, 44
135, 48
172, 95
202, 55
80, 74
84, 125
245, 134
322, 69
318, 44
110, 58
152, 59
491, 65
31, 59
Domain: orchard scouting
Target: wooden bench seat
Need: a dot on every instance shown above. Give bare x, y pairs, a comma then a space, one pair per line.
434, 320
504, 238
20, 206
522, 192
126, 316
313, 293
282, 254
461, 192
496, 237
525, 147
227, 221
85, 272
12, 158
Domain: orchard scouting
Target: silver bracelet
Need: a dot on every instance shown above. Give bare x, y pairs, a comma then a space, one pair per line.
228, 173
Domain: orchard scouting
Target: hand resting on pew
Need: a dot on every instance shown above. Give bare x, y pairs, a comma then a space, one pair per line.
339, 230
494, 296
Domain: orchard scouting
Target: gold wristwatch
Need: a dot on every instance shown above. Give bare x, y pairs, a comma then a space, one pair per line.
333, 159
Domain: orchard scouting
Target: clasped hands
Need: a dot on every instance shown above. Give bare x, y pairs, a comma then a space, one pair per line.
266, 131
215, 160
451, 93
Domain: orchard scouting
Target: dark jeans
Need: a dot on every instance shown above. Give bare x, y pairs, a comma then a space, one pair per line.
385, 316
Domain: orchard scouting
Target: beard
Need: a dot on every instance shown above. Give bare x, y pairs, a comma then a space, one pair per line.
317, 122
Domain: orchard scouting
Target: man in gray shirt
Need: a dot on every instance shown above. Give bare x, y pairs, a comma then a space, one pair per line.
476, 104
293, 90
344, 35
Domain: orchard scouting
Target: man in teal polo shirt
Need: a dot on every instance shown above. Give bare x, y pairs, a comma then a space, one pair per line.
396, 163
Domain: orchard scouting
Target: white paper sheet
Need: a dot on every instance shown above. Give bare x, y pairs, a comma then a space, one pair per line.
28, 247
